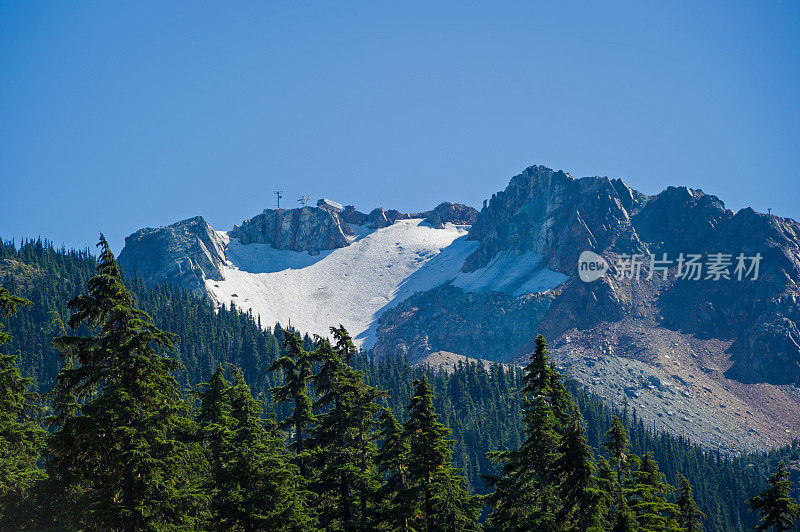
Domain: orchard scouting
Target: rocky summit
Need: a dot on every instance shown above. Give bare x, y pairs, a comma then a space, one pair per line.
185, 253
700, 299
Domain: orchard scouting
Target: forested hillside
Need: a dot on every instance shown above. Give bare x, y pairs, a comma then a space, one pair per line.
484, 409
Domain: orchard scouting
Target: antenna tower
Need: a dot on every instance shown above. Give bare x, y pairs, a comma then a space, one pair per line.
304, 200
279, 195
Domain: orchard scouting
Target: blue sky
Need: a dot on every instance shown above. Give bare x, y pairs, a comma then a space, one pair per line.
116, 116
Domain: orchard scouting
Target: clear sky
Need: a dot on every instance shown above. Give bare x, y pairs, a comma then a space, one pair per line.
116, 116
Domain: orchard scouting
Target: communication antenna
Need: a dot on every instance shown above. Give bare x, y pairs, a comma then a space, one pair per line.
769, 211
279, 194
304, 200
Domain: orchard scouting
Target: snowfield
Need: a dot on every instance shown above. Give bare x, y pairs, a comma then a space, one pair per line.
354, 285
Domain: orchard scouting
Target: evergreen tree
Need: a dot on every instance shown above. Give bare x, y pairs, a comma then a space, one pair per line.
21, 436
483, 408
581, 499
525, 494
689, 515
344, 344
438, 491
647, 498
296, 368
525, 497
344, 449
617, 444
214, 430
777, 507
396, 502
264, 489
123, 434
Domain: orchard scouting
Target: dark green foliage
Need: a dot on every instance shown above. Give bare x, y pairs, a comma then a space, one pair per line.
777, 508
482, 408
343, 457
253, 485
548, 482
647, 497
435, 487
21, 436
582, 499
296, 367
617, 445
122, 437
396, 509
689, 515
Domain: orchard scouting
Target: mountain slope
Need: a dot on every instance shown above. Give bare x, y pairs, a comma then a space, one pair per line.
481, 405
729, 348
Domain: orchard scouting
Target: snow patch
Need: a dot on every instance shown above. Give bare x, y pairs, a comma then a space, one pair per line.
511, 273
354, 285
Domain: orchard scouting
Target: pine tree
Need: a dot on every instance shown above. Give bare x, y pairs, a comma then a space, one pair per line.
344, 449
439, 492
344, 344
617, 444
542, 377
581, 499
214, 430
777, 507
396, 503
264, 490
123, 434
21, 436
252, 483
647, 498
296, 368
525, 495
689, 515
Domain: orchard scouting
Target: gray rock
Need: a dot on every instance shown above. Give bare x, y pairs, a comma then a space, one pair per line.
185, 254
311, 229
454, 213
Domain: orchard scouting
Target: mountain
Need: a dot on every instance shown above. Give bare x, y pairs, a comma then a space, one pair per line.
480, 403
716, 359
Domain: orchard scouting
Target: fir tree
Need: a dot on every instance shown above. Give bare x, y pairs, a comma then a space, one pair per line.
581, 499
344, 344
123, 434
525, 497
776, 506
264, 490
21, 436
525, 494
617, 444
214, 430
439, 492
296, 368
647, 498
689, 515
396, 503
344, 449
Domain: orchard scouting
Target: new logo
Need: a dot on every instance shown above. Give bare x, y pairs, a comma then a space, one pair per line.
591, 266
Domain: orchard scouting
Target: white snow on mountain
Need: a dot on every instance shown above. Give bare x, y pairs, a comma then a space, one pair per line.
512, 273
354, 285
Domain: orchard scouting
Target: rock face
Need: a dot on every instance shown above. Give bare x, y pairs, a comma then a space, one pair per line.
184, 253
310, 229
551, 213
454, 213
485, 325
695, 357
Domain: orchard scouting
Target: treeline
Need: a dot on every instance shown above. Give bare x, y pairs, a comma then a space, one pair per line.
484, 409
